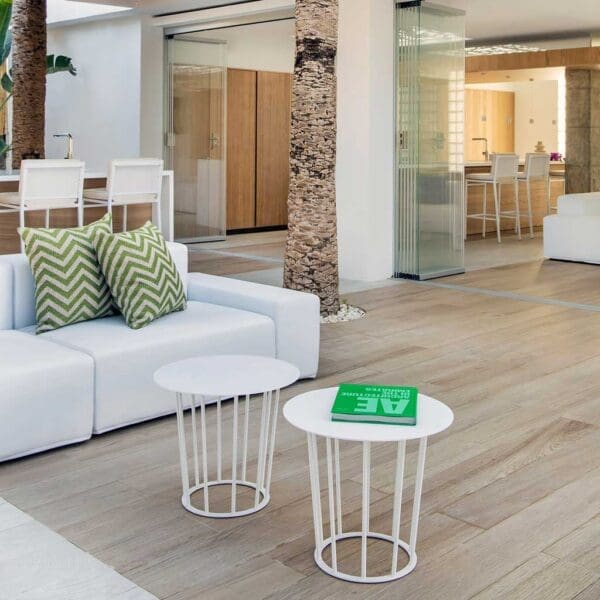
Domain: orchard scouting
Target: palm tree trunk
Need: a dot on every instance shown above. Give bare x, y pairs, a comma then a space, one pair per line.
311, 258
29, 79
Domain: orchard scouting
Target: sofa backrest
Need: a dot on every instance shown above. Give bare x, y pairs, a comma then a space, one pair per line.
579, 205
17, 289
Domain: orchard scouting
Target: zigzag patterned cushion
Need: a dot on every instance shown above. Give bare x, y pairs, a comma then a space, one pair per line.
141, 274
69, 284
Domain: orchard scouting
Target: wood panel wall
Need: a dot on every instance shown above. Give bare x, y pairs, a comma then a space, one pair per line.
273, 120
241, 151
491, 114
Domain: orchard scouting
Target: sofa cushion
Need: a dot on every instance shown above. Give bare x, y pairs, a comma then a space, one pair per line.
69, 284
141, 274
46, 394
579, 205
126, 359
23, 294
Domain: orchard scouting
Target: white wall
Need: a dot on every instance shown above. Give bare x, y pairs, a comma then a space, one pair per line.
365, 142
260, 47
100, 107
152, 99
537, 101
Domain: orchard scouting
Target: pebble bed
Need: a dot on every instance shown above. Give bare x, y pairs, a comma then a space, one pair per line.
346, 313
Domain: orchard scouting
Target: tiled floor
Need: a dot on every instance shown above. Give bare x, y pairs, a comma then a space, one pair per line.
38, 564
258, 257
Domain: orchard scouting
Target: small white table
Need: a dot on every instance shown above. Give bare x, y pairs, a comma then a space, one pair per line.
310, 412
204, 379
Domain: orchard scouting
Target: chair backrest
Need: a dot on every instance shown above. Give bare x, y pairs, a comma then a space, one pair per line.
45, 184
504, 166
131, 179
537, 165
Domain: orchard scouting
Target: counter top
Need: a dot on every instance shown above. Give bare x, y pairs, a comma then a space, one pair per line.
488, 163
14, 175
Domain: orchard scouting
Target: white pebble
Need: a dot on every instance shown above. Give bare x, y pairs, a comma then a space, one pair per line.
346, 313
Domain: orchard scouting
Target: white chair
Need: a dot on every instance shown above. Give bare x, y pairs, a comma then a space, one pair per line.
129, 181
46, 185
537, 168
504, 171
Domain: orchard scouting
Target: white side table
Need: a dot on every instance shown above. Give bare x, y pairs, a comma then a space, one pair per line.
229, 376
310, 412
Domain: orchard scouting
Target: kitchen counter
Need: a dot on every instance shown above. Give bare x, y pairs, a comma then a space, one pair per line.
538, 199
488, 163
137, 214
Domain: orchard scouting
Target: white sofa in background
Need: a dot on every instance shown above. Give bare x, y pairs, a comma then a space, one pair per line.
573, 233
224, 316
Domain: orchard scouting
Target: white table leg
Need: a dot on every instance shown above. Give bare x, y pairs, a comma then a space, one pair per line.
366, 503
414, 525
397, 512
200, 446
365, 534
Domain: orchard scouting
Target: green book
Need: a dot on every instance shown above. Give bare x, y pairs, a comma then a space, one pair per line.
396, 405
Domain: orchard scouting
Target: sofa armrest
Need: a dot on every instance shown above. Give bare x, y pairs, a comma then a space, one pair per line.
296, 314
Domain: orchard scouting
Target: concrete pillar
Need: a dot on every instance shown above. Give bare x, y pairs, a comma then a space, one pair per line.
583, 131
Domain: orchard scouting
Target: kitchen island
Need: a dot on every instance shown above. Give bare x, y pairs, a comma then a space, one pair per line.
538, 198
137, 215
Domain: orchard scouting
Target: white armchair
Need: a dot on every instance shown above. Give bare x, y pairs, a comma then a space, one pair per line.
574, 232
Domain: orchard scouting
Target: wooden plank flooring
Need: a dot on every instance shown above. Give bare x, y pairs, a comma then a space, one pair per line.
511, 499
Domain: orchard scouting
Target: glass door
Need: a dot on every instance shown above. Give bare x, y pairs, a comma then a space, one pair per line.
195, 136
429, 141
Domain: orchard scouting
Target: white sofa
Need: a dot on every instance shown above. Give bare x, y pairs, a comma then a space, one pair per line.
573, 233
61, 386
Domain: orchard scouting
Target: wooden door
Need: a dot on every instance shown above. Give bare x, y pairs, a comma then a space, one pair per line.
241, 149
273, 120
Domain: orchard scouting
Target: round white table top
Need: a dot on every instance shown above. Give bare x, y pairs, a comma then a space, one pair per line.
226, 375
311, 412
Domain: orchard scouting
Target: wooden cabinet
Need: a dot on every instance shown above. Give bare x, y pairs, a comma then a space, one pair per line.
490, 114
258, 139
273, 120
241, 154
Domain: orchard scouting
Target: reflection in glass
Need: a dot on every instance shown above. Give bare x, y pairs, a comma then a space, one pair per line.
429, 141
195, 140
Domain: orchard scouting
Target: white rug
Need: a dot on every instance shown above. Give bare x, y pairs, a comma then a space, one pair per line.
37, 563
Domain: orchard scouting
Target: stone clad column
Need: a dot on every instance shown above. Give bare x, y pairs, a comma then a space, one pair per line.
583, 131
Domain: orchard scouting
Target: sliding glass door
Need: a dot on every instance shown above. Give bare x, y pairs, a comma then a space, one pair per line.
195, 136
429, 141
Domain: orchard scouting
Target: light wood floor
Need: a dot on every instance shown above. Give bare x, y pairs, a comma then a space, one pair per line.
511, 497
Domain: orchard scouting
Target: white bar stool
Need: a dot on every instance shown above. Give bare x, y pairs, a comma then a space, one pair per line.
504, 171
46, 184
129, 181
311, 412
537, 168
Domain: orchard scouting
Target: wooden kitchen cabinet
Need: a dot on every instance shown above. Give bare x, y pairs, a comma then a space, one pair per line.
490, 114
241, 155
258, 140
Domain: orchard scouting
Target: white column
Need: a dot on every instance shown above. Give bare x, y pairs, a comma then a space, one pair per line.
365, 142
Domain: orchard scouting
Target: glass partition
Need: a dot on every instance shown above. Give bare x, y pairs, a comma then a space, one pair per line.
195, 137
429, 141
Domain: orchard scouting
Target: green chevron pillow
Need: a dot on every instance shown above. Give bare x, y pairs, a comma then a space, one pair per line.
69, 284
141, 274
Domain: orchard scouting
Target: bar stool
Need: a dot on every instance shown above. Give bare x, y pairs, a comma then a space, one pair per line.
46, 184
537, 168
129, 181
504, 171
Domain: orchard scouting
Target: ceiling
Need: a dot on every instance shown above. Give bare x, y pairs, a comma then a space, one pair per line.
486, 19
